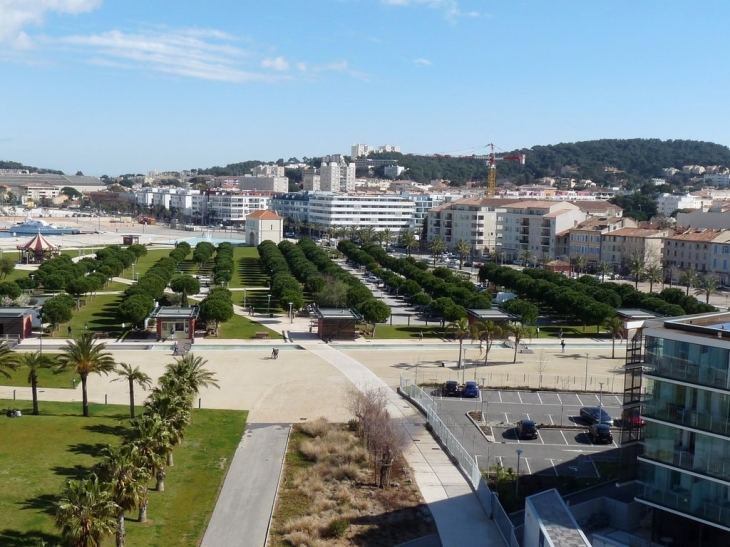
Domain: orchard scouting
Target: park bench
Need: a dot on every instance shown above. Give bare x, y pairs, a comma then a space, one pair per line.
262, 335
100, 335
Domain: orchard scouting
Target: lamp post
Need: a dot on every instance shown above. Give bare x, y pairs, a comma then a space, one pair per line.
600, 400
586, 384
517, 481
463, 366
40, 318
482, 414
291, 315
244, 298
268, 305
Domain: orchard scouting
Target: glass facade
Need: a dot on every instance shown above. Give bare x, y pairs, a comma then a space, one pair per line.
685, 464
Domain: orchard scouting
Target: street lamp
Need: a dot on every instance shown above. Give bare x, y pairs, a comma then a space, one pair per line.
482, 414
586, 384
268, 306
463, 366
244, 298
600, 400
291, 315
517, 481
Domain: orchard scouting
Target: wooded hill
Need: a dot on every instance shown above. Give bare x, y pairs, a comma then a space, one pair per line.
16, 165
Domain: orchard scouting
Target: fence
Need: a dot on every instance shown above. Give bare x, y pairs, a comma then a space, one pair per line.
488, 499
437, 376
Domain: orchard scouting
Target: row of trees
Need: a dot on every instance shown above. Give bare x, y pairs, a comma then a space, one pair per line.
217, 307
223, 267
284, 286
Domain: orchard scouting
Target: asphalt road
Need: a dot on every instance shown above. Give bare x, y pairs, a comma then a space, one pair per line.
243, 510
565, 451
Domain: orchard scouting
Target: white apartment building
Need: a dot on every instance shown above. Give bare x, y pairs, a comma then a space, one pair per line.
714, 218
293, 206
310, 179
264, 183
379, 211
37, 192
668, 203
388, 148
533, 225
424, 203
717, 179
393, 170
267, 171
337, 177
186, 202
233, 207
357, 150
473, 219
704, 251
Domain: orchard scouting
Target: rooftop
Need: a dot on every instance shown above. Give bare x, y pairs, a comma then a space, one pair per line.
701, 235
172, 312
263, 214
556, 520
492, 314
337, 313
637, 232
16, 312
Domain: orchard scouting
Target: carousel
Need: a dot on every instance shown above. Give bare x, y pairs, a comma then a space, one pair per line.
37, 250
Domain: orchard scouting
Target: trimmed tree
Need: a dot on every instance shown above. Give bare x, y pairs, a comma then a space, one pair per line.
374, 312
185, 285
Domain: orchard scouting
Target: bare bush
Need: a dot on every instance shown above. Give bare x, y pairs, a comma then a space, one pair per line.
309, 525
346, 471
317, 428
387, 442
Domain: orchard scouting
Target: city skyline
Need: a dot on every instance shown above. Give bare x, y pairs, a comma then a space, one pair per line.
108, 87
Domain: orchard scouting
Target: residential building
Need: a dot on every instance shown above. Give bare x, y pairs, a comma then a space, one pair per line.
264, 226
585, 238
233, 207
668, 203
424, 203
388, 148
393, 170
717, 179
337, 177
268, 171
264, 183
704, 251
33, 193
715, 217
379, 211
620, 247
682, 378
358, 150
293, 206
311, 179
532, 226
187, 202
79, 183
473, 219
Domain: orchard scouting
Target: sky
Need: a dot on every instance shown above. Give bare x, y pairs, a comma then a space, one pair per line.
128, 86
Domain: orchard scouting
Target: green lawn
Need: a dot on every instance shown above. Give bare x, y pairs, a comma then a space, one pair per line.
248, 269
60, 444
99, 314
144, 263
569, 331
386, 332
46, 378
241, 327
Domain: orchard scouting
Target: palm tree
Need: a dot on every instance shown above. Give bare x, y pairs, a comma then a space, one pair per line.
174, 409
488, 331
367, 234
637, 269
604, 268
437, 247
579, 261
459, 329
151, 438
84, 356
462, 249
526, 257
35, 361
387, 234
520, 332
8, 359
187, 375
615, 326
127, 477
707, 285
133, 376
409, 240
689, 278
86, 513
653, 274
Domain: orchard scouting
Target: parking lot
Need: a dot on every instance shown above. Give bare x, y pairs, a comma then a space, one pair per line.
563, 449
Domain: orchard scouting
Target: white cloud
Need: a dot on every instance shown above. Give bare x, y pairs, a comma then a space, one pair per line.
196, 53
451, 9
277, 63
17, 14
422, 61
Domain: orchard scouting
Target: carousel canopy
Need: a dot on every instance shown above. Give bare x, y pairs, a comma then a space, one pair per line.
38, 244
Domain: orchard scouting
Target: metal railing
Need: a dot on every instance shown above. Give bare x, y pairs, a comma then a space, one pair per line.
691, 418
717, 468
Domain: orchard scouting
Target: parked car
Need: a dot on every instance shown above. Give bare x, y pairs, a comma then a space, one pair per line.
594, 414
471, 390
631, 418
451, 389
526, 429
289, 234
600, 433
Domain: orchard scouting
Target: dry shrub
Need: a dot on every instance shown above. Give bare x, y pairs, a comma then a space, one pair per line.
322, 504
349, 514
342, 494
309, 483
317, 428
309, 525
347, 471
300, 539
364, 505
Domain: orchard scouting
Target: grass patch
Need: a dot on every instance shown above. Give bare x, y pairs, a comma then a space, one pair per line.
60, 444
569, 331
99, 315
46, 378
386, 332
248, 271
144, 263
241, 327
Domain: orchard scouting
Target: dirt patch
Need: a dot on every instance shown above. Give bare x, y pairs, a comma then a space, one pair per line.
328, 495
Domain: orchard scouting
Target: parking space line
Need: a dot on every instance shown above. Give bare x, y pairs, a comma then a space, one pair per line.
560, 400
551, 419
539, 398
500, 396
618, 400
506, 418
520, 398
566, 440
554, 469
540, 437
581, 402
529, 471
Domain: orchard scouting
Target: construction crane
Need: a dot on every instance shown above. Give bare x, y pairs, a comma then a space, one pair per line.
492, 163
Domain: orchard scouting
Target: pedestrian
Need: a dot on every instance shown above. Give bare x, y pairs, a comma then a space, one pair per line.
538, 332
276, 354
69, 331
273, 353
420, 336
560, 334
562, 346
175, 350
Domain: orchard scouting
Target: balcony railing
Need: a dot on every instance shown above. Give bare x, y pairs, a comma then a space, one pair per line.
716, 468
680, 500
691, 418
686, 371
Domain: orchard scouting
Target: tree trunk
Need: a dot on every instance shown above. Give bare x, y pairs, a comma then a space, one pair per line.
34, 388
160, 487
613, 346
131, 398
84, 395
517, 343
143, 508
461, 353
121, 532
170, 460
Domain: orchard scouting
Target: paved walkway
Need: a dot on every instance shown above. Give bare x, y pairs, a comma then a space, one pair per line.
243, 510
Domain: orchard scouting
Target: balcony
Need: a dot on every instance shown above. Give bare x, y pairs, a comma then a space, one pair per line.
675, 414
525, 231
681, 500
716, 468
685, 371
524, 239
525, 222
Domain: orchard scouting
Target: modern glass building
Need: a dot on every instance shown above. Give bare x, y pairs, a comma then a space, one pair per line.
684, 396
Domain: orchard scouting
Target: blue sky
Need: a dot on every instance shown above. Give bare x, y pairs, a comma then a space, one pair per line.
112, 86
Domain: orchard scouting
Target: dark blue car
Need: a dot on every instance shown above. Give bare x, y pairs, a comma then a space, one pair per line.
471, 390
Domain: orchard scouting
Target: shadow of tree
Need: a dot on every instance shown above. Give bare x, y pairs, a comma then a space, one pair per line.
393, 528
44, 502
76, 472
87, 449
31, 538
115, 430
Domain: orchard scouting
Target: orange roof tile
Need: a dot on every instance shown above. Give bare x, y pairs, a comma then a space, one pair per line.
264, 215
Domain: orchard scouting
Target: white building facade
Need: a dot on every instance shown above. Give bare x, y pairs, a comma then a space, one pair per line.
337, 177
379, 211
